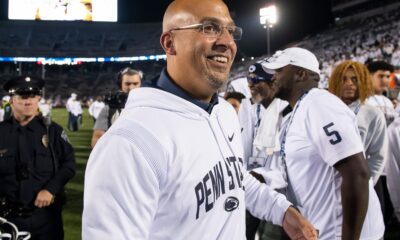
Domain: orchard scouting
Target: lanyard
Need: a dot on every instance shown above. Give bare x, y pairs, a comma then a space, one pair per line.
283, 142
258, 115
357, 108
258, 112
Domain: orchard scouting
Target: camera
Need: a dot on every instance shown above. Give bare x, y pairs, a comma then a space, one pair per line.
116, 99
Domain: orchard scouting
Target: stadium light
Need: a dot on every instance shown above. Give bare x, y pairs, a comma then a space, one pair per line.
268, 17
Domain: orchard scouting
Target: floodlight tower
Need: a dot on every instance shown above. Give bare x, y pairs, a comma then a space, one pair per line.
268, 17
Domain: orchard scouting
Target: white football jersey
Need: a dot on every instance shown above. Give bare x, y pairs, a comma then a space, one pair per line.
324, 131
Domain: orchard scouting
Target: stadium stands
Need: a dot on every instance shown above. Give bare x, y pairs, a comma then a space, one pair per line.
372, 35
360, 39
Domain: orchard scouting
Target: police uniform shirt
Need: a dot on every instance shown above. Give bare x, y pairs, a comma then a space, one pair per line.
26, 171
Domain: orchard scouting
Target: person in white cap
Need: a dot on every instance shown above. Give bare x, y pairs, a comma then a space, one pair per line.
322, 153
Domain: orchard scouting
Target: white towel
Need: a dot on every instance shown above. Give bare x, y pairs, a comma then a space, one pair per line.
267, 138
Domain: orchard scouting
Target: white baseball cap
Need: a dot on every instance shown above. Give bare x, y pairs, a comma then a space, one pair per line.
6, 98
292, 56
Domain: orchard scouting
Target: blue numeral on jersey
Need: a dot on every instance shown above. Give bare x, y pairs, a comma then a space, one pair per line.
335, 133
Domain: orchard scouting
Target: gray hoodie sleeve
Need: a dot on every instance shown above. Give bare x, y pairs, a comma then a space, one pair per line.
376, 143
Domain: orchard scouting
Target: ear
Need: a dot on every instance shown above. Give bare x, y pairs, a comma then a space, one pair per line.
301, 75
167, 43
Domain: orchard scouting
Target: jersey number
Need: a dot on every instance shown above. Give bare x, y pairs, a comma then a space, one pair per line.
337, 137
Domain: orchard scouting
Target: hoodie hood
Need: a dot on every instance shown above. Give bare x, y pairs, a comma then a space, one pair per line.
160, 99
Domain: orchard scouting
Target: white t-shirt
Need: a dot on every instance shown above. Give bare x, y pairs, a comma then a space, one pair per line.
322, 132
95, 108
385, 105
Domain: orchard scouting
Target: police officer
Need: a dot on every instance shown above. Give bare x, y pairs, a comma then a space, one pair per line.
36, 161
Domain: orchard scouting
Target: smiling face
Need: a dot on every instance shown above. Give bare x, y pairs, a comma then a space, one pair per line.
350, 86
198, 63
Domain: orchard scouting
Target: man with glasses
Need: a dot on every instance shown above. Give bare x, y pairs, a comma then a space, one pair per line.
36, 161
127, 79
171, 167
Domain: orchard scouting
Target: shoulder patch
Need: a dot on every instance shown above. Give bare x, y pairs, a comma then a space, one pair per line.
64, 136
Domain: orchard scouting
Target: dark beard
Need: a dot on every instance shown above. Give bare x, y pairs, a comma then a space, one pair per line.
216, 83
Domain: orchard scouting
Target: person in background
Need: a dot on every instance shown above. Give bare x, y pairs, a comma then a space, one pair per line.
71, 125
45, 107
75, 112
96, 107
264, 148
380, 72
36, 161
6, 107
235, 99
127, 79
352, 83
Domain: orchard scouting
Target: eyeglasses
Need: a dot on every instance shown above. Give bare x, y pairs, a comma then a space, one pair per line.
257, 79
214, 29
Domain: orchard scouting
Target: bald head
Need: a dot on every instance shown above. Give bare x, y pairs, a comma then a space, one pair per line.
185, 12
197, 61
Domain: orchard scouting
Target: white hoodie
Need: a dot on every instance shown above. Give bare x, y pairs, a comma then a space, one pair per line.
167, 169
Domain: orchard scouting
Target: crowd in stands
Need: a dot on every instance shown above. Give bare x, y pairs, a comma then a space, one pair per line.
372, 38
87, 80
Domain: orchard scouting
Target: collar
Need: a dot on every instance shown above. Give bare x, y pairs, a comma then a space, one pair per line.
167, 84
32, 125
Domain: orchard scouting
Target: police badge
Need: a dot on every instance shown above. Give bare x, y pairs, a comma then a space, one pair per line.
45, 141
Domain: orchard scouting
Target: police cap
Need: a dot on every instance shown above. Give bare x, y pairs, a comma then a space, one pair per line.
24, 85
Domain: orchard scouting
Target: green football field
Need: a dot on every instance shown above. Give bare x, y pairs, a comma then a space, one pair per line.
80, 140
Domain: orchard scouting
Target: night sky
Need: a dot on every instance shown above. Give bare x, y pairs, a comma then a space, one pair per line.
297, 18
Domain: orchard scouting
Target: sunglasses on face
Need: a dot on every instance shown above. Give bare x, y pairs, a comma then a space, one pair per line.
257, 79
